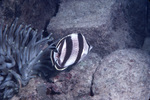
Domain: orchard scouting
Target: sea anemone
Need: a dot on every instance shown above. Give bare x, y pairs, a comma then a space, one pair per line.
23, 52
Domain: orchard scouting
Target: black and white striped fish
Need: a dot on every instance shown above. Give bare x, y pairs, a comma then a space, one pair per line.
70, 50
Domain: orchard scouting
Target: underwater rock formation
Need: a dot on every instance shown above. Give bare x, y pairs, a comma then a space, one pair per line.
108, 24
74, 84
125, 75
146, 45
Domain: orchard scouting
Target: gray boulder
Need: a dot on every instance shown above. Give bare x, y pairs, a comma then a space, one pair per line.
123, 75
107, 24
76, 84
146, 45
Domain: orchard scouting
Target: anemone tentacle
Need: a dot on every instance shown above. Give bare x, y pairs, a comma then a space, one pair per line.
21, 54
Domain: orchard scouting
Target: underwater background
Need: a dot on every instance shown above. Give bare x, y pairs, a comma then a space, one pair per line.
118, 66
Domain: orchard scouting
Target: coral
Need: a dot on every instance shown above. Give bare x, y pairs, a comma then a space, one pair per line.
23, 53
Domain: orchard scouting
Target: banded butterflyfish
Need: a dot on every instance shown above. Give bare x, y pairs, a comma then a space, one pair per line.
70, 50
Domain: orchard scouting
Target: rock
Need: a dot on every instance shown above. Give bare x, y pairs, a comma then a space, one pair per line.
106, 24
123, 75
76, 84
148, 20
34, 12
136, 15
146, 45
30, 91
73, 84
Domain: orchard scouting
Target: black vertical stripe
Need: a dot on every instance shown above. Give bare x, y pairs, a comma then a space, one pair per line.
81, 45
68, 50
60, 48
